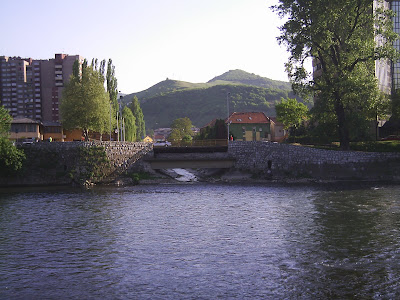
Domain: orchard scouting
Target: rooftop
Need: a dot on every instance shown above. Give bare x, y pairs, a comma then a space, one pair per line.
248, 118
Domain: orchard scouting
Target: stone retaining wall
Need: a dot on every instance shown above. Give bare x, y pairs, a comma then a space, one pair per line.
69, 162
298, 161
123, 154
60, 163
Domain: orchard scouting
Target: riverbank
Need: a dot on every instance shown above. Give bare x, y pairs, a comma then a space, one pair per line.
234, 176
116, 163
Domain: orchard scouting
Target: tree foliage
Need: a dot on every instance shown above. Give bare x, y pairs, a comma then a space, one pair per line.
181, 129
5, 122
130, 124
345, 37
111, 84
218, 131
290, 112
11, 158
138, 114
85, 103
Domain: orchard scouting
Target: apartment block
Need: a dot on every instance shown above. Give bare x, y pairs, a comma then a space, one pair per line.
395, 70
32, 88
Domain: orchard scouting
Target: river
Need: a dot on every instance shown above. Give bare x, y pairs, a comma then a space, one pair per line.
201, 241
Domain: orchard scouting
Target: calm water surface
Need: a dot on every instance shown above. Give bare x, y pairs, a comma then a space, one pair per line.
201, 241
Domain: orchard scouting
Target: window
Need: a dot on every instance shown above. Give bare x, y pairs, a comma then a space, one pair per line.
18, 128
31, 128
53, 129
395, 6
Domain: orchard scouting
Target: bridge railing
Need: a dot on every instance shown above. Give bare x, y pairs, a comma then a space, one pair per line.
201, 143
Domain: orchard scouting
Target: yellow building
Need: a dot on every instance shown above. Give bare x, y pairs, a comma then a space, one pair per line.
148, 139
26, 129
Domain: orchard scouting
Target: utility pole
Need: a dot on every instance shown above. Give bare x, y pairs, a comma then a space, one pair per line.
121, 122
227, 105
117, 126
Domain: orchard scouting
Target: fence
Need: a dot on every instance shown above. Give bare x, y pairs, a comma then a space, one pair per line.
201, 143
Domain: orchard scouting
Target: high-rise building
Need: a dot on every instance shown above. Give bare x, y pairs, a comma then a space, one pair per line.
32, 88
395, 71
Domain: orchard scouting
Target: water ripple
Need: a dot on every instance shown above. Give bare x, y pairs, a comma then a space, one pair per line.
200, 242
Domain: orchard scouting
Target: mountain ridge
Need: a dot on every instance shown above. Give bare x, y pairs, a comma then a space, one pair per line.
243, 77
170, 99
234, 77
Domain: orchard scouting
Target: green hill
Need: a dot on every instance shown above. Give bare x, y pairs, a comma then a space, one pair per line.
242, 77
167, 86
231, 77
205, 104
202, 102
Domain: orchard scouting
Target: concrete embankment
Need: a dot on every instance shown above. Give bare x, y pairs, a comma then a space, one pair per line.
297, 162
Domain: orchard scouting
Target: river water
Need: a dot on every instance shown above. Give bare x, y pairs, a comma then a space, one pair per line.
201, 241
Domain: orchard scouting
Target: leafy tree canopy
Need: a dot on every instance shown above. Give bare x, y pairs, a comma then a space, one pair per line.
11, 158
130, 124
217, 131
5, 121
290, 112
85, 103
181, 128
345, 38
139, 119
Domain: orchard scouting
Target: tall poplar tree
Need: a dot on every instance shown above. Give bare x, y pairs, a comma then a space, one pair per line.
140, 123
112, 89
345, 37
130, 124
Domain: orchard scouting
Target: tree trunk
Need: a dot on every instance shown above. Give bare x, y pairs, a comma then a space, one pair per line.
344, 137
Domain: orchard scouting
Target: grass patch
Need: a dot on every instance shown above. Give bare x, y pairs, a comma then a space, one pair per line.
376, 146
136, 177
369, 146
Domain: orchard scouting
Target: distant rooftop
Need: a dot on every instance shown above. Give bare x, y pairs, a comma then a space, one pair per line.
248, 117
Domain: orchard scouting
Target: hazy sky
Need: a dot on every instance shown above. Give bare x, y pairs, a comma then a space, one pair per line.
149, 40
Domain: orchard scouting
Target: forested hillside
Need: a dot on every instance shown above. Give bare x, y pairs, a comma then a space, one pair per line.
201, 102
242, 77
203, 105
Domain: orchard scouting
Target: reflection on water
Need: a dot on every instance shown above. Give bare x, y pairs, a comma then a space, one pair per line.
200, 241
